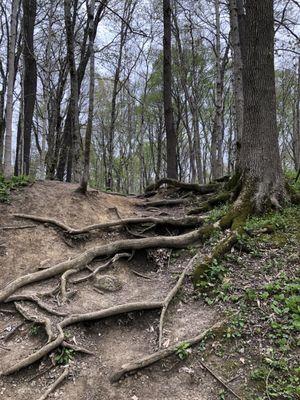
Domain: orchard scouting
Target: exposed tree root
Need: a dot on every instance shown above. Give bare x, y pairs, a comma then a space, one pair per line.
209, 204
76, 348
79, 262
64, 277
186, 222
55, 384
160, 354
102, 267
11, 228
221, 248
165, 202
170, 296
76, 318
201, 189
35, 299
37, 319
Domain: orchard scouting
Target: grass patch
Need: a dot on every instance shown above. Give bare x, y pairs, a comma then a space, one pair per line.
16, 182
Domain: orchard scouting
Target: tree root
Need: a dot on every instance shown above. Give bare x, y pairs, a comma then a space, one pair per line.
64, 277
35, 299
79, 262
55, 384
160, 354
38, 320
170, 296
209, 204
102, 267
165, 202
201, 189
186, 222
222, 247
76, 318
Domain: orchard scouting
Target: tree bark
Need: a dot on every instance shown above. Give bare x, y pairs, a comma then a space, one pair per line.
260, 166
167, 93
89, 129
237, 74
296, 135
30, 77
8, 169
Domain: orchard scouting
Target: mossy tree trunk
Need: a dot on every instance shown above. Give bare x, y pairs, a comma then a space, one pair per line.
261, 184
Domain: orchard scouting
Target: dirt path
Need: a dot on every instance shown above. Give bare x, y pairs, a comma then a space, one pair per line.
114, 341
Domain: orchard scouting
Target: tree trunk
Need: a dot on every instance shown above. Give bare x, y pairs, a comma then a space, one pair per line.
30, 76
167, 92
260, 166
237, 74
8, 169
218, 125
296, 133
89, 129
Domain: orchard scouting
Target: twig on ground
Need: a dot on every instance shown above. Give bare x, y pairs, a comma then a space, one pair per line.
223, 383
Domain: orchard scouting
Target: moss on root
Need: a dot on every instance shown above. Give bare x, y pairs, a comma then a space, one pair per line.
209, 204
222, 247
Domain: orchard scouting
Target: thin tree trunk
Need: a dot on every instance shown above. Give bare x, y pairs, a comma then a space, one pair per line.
167, 93
89, 129
30, 76
8, 170
74, 145
237, 74
296, 136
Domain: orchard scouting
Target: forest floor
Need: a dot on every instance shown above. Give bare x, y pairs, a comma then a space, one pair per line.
255, 287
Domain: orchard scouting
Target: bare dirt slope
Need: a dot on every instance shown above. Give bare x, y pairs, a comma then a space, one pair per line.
113, 340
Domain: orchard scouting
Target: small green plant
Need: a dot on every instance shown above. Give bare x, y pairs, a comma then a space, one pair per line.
64, 356
7, 185
34, 330
182, 350
235, 327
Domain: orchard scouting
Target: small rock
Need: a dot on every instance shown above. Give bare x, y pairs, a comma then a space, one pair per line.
108, 283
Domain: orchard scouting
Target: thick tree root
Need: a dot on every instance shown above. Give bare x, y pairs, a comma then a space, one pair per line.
186, 222
165, 203
160, 354
194, 187
76, 318
79, 262
55, 384
209, 204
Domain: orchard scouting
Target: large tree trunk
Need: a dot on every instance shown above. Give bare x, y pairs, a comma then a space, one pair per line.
8, 169
167, 92
30, 76
260, 167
